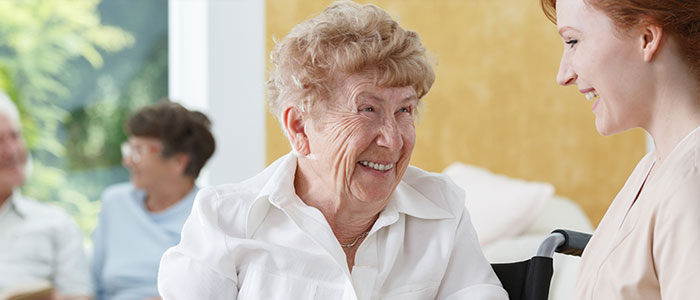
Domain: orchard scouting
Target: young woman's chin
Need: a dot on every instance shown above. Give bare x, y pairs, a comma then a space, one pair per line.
602, 130
608, 129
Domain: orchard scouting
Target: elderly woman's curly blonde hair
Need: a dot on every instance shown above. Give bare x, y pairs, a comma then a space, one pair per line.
346, 38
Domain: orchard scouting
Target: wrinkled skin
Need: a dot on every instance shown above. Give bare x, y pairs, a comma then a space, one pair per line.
361, 122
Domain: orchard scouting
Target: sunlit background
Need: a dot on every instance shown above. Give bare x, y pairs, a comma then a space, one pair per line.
77, 68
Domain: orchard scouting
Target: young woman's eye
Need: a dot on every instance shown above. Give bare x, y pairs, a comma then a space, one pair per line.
571, 42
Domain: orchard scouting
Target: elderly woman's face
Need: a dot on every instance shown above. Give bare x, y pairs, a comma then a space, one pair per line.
148, 168
363, 137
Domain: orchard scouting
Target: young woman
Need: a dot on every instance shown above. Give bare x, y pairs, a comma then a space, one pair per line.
639, 62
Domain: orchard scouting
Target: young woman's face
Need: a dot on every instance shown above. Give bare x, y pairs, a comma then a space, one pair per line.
605, 64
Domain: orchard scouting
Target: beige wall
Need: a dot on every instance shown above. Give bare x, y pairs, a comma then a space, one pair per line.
495, 102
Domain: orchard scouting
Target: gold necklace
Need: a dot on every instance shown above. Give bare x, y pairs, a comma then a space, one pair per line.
364, 234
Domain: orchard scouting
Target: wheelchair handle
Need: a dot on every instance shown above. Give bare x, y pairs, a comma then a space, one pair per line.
574, 242
550, 243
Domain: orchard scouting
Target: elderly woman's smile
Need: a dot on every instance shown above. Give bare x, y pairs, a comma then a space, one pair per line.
377, 166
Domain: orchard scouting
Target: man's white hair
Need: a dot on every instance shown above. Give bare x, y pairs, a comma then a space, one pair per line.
9, 108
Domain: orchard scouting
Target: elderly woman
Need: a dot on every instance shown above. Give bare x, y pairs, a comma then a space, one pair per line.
640, 63
168, 145
343, 216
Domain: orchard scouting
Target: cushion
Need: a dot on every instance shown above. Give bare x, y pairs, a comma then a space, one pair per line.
560, 212
499, 206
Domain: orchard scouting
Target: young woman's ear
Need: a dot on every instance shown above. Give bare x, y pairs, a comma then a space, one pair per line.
651, 37
293, 121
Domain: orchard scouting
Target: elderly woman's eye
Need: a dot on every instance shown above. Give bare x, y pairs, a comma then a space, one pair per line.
405, 110
367, 109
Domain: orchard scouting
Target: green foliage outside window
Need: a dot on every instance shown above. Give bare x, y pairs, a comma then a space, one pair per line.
75, 77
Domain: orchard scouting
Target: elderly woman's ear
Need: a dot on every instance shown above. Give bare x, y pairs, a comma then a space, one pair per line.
180, 161
293, 120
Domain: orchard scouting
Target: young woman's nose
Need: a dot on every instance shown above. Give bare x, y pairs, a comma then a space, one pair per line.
566, 74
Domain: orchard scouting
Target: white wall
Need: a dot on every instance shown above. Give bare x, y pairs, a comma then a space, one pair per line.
216, 65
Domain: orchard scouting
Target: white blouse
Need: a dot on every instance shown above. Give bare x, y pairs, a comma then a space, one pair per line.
258, 240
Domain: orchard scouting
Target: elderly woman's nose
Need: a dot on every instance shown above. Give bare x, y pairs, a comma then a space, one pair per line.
566, 74
127, 162
390, 135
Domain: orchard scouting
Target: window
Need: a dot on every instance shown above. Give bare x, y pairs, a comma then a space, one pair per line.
76, 69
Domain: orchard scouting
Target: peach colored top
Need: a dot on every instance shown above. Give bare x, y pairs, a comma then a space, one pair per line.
651, 250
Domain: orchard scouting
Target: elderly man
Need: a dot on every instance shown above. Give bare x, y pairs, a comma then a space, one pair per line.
40, 246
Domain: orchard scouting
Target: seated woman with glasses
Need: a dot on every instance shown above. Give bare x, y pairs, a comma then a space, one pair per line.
168, 145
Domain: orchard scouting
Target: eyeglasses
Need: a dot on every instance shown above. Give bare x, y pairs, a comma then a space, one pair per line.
136, 152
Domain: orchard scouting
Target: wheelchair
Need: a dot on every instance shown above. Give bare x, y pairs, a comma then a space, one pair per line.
530, 279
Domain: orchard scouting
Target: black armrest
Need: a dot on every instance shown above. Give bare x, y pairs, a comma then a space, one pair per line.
575, 242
